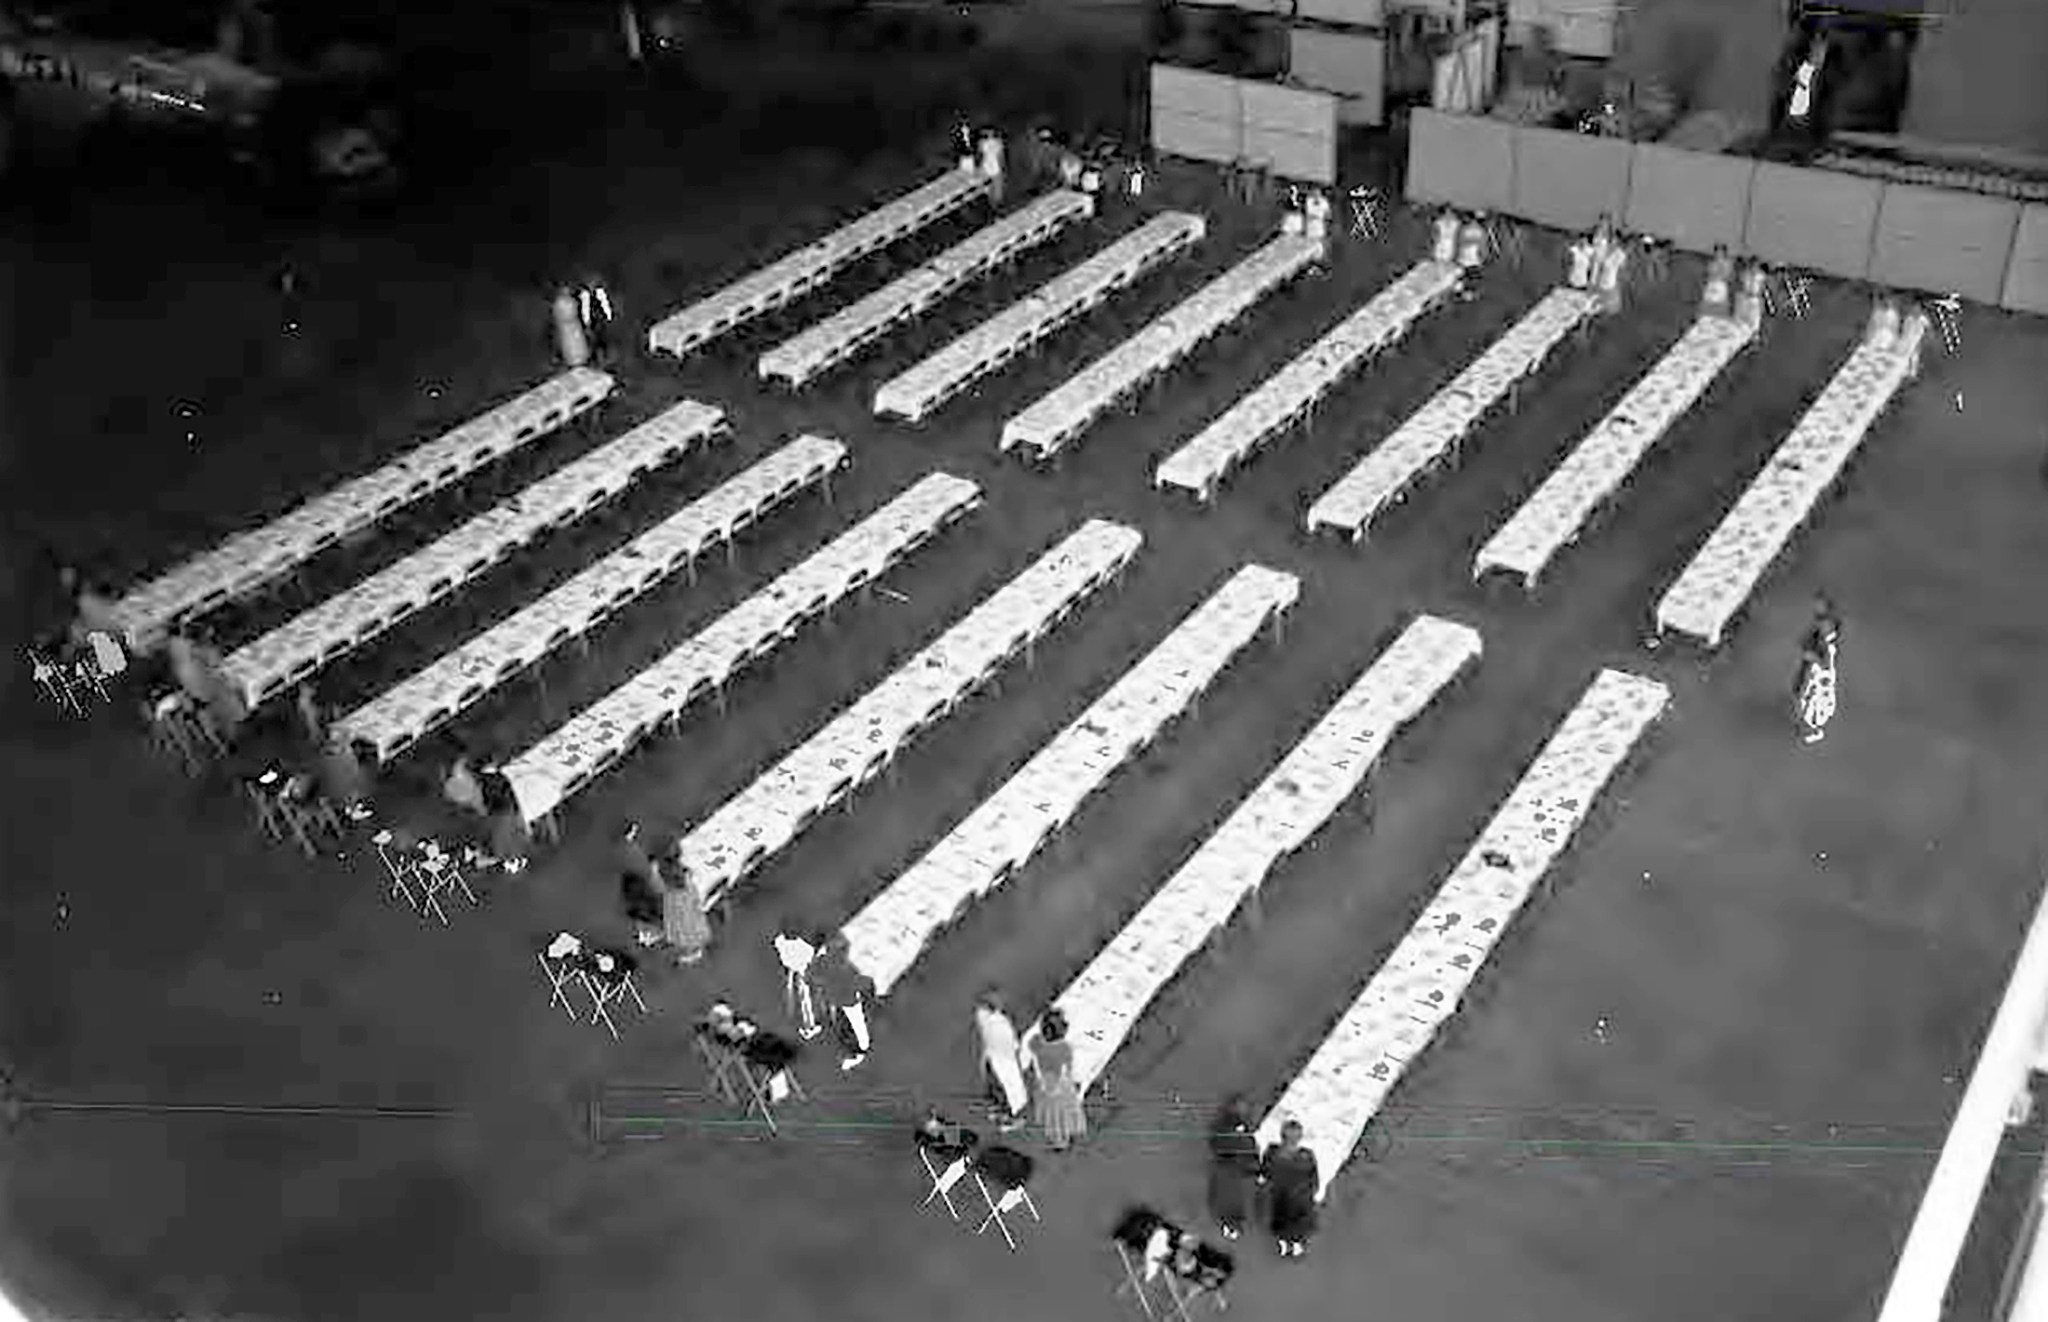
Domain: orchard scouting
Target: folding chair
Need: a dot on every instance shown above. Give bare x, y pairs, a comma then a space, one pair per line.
1656, 259
1797, 293
264, 792
720, 1062
1504, 238
759, 1084
87, 676
171, 733
1366, 207
1010, 1171
1946, 313
442, 875
557, 963
53, 679
946, 1162
405, 878
1189, 1282
1132, 1240
305, 813
608, 977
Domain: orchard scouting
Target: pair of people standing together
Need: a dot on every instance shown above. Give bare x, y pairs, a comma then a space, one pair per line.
1042, 1056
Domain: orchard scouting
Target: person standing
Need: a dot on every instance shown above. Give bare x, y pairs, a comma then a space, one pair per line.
991, 157
1444, 246
997, 1038
848, 993
639, 886
1057, 1103
1814, 691
1716, 298
1288, 1172
684, 924
570, 341
1233, 1168
594, 309
796, 955
509, 837
1749, 296
312, 720
1472, 242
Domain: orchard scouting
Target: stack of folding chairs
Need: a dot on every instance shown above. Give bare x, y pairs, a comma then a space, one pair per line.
605, 976
758, 1085
1160, 1258
422, 872
951, 1155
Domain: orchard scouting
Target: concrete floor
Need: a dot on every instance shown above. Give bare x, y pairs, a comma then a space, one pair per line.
338, 1113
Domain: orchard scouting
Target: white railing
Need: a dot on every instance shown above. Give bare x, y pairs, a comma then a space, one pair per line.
2011, 1048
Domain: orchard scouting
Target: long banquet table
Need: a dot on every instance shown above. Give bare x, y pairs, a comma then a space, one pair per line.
1720, 577
311, 640
1558, 511
811, 268
913, 394
856, 745
1200, 465
429, 698
249, 560
1440, 426
889, 933
845, 334
1418, 989
590, 743
1057, 418
1311, 782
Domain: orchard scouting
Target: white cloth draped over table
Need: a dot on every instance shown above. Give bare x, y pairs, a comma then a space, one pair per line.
811, 268
1441, 425
923, 387
249, 560
1553, 516
762, 819
1717, 582
1338, 1093
1060, 416
1274, 405
438, 693
1310, 783
571, 756
313, 639
891, 931
840, 337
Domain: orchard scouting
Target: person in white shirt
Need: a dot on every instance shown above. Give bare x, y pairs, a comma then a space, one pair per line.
997, 1037
1749, 296
594, 309
1135, 181
796, 954
462, 788
1445, 246
1472, 243
1883, 329
1579, 270
1317, 211
1091, 183
963, 144
1070, 169
1716, 297
992, 159
1611, 268
570, 341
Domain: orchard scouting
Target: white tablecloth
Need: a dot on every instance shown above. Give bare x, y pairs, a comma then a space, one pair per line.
844, 334
251, 559
762, 819
546, 775
1290, 805
1058, 417
914, 393
1340, 1090
1714, 586
889, 934
1554, 515
1441, 425
431, 697
1231, 439
306, 642
811, 268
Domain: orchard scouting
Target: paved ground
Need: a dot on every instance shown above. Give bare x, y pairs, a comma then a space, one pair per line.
1796, 948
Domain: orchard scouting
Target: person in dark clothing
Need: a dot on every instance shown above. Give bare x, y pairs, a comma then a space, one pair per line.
508, 824
1288, 1171
639, 886
847, 992
1233, 1168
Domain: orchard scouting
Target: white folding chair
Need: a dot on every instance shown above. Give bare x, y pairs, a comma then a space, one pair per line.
53, 679
1366, 212
405, 878
87, 678
557, 964
440, 875
305, 813
171, 732
264, 792
608, 987
1008, 1170
722, 1063
1946, 313
1798, 291
943, 1176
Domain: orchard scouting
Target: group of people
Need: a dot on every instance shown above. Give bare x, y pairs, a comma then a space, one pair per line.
1308, 212
1734, 290
818, 970
1284, 1177
1459, 238
479, 787
1596, 261
664, 904
1032, 1074
585, 321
